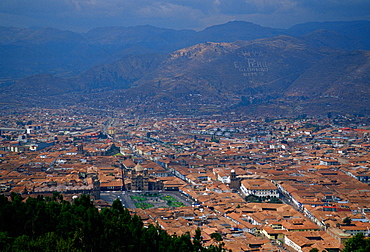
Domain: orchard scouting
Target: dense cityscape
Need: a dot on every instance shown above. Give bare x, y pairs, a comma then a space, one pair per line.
184, 126
261, 184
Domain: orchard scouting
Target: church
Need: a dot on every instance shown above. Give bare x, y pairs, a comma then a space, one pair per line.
138, 179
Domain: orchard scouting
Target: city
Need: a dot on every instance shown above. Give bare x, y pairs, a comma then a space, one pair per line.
263, 184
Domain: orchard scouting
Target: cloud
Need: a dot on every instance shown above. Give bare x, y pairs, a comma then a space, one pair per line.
178, 14
346, 8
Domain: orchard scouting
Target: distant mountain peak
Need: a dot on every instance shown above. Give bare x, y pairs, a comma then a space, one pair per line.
243, 67
234, 24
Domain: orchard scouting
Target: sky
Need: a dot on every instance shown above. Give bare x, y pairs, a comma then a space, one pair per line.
83, 15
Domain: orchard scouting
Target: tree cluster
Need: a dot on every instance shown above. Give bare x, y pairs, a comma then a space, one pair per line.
256, 199
358, 243
53, 224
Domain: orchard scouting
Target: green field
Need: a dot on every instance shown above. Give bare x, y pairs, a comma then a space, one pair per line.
154, 199
138, 198
175, 204
168, 198
143, 205
150, 195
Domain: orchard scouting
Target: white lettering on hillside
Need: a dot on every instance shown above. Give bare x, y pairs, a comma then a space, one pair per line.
252, 65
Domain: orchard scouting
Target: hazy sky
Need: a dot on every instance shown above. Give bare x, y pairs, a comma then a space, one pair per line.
82, 15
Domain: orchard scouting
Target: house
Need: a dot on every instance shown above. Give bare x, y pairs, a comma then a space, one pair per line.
304, 241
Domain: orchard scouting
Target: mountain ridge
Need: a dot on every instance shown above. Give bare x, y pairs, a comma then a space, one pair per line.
250, 76
25, 50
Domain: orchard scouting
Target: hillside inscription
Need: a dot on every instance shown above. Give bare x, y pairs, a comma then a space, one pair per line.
252, 65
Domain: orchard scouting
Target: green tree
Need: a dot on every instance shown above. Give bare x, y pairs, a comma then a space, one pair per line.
347, 221
216, 236
275, 200
253, 198
53, 224
198, 239
357, 243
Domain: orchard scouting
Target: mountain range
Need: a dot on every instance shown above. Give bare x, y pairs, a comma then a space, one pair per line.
237, 67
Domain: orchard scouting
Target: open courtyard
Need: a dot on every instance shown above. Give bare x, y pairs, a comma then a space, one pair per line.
146, 200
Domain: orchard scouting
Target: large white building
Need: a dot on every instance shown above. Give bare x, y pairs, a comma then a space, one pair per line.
259, 187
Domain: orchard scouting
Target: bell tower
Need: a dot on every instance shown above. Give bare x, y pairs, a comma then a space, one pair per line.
234, 181
80, 149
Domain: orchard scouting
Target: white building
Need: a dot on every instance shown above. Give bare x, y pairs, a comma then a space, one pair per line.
259, 187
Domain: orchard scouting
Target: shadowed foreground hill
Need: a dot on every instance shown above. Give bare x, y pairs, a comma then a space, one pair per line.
52, 224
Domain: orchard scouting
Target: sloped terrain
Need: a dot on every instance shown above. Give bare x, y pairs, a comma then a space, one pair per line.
316, 73
340, 82
26, 52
